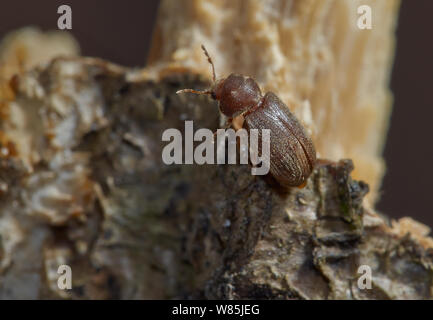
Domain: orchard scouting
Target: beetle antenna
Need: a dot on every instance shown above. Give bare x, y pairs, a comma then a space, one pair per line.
194, 91
209, 91
209, 59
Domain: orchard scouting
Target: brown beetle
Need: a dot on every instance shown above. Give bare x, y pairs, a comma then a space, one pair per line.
292, 152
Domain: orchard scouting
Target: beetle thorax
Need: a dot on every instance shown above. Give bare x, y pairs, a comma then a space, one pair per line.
236, 94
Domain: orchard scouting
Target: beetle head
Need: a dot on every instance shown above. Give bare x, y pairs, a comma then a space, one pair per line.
235, 93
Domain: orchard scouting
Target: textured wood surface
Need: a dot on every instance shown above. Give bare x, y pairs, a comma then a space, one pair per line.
95, 195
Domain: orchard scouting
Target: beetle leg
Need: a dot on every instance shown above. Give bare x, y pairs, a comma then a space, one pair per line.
228, 122
238, 122
302, 186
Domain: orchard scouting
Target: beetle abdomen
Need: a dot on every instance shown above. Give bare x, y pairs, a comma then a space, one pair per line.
292, 154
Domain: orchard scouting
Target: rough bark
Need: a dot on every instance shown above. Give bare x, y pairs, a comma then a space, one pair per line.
83, 184
82, 181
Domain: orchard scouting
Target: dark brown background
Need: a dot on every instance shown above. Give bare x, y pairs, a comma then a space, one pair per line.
120, 31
